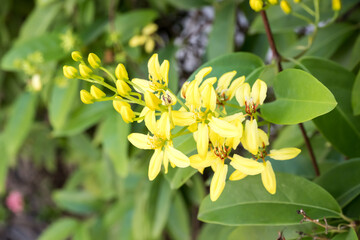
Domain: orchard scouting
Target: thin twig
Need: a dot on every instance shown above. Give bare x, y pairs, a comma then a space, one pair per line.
277, 58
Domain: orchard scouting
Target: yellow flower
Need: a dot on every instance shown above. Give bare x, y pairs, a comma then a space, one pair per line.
256, 5
151, 100
85, 71
251, 100
96, 92
285, 6
86, 97
217, 184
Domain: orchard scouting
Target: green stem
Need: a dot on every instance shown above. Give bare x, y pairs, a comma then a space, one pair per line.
302, 17
109, 74
140, 102
317, 12
297, 63
181, 132
307, 9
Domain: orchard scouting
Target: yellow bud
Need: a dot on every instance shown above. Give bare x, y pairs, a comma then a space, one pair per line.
76, 56
70, 72
85, 71
256, 5
149, 45
122, 88
96, 92
150, 29
124, 109
297, 1
94, 60
284, 153
258, 92
151, 100
336, 5
273, 2
137, 41
285, 6
121, 73
86, 97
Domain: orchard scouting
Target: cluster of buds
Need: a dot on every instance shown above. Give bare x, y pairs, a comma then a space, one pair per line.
202, 114
147, 38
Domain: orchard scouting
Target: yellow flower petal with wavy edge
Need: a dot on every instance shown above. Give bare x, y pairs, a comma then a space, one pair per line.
268, 178
181, 118
164, 69
202, 140
263, 138
246, 165
224, 80
284, 153
251, 136
163, 126
223, 128
218, 181
202, 73
208, 96
140, 140
142, 85
237, 175
155, 164
258, 92
242, 93
154, 68
176, 157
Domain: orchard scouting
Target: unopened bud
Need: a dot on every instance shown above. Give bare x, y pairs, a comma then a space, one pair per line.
94, 60
86, 97
285, 6
70, 72
273, 2
76, 56
124, 109
336, 5
96, 92
151, 100
256, 5
85, 71
121, 73
150, 29
137, 41
122, 88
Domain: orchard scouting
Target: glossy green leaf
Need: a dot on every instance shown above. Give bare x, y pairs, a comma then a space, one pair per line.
19, 123
299, 97
179, 220
221, 38
342, 181
79, 202
339, 126
115, 142
246, 202
60, 230
355, 57
355, 96
131, 23
49, 45
351, 235
61, 103
215, 232
353, 208
84, 117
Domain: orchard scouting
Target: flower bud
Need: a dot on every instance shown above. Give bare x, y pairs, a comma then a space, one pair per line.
273, 2
122, 88
94, 60
297, 1
149, 45
85, 71
137, 41
151, 100
285, 6
150, 29
86, 97
121, 73
336, 5
76, 56
256, 5
124, 109
70, 72
96, 92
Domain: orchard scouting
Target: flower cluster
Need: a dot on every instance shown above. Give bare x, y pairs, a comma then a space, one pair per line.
203, 114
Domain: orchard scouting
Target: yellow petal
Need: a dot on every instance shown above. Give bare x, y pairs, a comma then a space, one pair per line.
200, 163
154, 67
164, 69
85, 71
235, 85
224, 80
258, 92
210, 81
143, 113
127, 113
243, 93
142, 85
263, 138
208, 96
149, 45
151, 100
155, 164
237, 175
256, 5
137, 40
336, 5
149, 29
140, 140
251, 136
202, 73
166, 162
163, 126
70, 72
223, 128
268, 178
177, 157
181, 118
202, 140
150, 122
246, 165
193, 95
284, 153
76, 56
94, 60
218, 181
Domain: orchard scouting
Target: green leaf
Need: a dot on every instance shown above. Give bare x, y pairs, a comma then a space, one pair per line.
130, 23
83, 117
188, 4
79, 202
342, 181
355, 58
19, 123
49, 45
221, 39
246, 202
351, 235
339, 127
39, 20
299, 97
355, 96
61, 103
178, 176
60, 230
215, 232
115, 142
243, 63
82, 232
4, 164
179, 223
